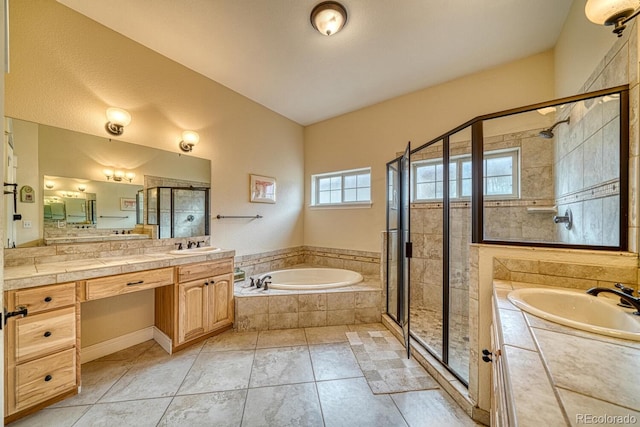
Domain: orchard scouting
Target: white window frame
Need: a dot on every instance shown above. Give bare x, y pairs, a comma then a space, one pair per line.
514, 153
315, 188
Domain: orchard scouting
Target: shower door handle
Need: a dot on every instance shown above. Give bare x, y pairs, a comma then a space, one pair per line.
408, 250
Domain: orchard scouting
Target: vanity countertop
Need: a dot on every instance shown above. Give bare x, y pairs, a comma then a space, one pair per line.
558, 375
32, 275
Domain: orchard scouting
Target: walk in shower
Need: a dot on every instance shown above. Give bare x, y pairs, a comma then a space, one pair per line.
178, 211
553, 174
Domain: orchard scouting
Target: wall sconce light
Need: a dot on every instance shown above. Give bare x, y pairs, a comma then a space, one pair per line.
612, 12
189, 140
118, 175
82, 187
117, 119
328, 17
49, 185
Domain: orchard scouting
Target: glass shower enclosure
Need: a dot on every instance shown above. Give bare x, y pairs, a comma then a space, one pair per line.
553, 174
178, 211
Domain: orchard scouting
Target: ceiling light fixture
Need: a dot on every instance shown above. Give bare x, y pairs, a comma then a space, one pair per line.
117, 119
612, 12
189, 140
328, 17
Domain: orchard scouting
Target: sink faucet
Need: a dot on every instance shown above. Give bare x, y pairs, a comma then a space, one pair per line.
199, 243
190, 244
635, 302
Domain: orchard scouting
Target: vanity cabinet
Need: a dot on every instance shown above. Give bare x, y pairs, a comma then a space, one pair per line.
41, 348
200, 305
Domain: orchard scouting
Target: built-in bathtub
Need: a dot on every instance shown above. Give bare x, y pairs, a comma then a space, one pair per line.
312, 278
306, 296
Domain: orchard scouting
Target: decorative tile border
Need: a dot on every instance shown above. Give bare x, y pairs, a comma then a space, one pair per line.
607, 189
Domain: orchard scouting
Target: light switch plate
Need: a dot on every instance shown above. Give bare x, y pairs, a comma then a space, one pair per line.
26, 224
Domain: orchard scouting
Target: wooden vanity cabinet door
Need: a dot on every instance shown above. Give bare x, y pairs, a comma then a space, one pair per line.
220, 301
192, 309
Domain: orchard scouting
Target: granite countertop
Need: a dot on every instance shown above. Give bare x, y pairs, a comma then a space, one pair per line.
559, 376
69, 271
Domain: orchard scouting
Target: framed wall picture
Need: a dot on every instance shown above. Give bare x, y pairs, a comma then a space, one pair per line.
262, 189
127, 203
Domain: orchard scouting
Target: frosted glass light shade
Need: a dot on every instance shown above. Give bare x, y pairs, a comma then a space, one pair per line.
328, 17
607, 12
189, 140
118, 116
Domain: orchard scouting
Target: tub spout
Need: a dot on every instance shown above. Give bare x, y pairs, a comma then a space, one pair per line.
266, 282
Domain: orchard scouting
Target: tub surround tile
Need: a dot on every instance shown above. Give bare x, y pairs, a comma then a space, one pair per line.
530, 384
312, 302
231, 340
283, 304
569, 357
298, 405
309, 319
367, 315
583, 406
340, 317
340, 301
283, 321
515, 331
220, 409
248, 322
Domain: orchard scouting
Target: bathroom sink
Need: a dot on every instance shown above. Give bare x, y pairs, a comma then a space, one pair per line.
579, 310
195, 251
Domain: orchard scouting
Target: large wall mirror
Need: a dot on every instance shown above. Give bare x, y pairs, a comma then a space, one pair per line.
67, 182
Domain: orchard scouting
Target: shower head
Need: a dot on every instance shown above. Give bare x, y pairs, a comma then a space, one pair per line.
548, 133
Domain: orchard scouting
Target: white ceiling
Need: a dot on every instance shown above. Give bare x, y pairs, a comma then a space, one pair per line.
267, 50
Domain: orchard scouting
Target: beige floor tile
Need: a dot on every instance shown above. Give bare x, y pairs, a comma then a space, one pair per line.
432, 405
220, 409
281, 338
231, 340
97, 379
220, 371
286, 405
350, 402
59, 417
139, 413
279, 366
364, 327
327, 334
333, 361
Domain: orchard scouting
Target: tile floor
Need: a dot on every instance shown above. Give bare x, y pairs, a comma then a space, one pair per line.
293, 377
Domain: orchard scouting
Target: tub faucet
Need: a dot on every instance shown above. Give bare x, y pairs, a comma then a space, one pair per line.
635, 302
190, 244
265, 282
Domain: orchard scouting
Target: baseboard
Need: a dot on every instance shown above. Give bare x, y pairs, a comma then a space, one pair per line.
96, 351
162, 339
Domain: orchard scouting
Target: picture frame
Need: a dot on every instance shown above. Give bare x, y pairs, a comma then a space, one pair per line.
262, 189
128, 203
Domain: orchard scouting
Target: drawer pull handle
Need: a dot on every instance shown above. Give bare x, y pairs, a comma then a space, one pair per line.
48, 378
139, 282
48, 299
47, 334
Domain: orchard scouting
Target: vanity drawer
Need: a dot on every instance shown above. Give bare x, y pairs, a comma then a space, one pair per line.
44, 378
204, 269
45, 333
104, 287
46, 297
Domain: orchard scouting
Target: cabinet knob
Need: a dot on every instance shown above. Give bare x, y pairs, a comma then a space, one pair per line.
206, 283
48, 378
48, 299
47, 334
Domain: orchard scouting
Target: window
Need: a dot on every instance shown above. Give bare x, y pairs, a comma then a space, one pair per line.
500, 176
340, 188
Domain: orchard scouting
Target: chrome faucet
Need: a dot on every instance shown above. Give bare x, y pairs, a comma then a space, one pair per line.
190, 244
266, 283
624, 296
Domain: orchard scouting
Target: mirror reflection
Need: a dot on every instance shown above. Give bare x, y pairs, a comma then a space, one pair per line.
82, 184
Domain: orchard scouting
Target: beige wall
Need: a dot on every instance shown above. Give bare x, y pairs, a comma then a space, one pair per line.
580, 47
372, 137
67, 69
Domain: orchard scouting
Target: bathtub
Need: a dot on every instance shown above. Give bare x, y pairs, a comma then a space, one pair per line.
312, 278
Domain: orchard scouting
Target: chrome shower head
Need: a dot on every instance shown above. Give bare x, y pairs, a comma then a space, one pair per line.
548, 133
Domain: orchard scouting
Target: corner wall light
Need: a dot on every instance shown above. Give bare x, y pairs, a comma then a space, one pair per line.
189, 140
117, 119
328, 17
612, 12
